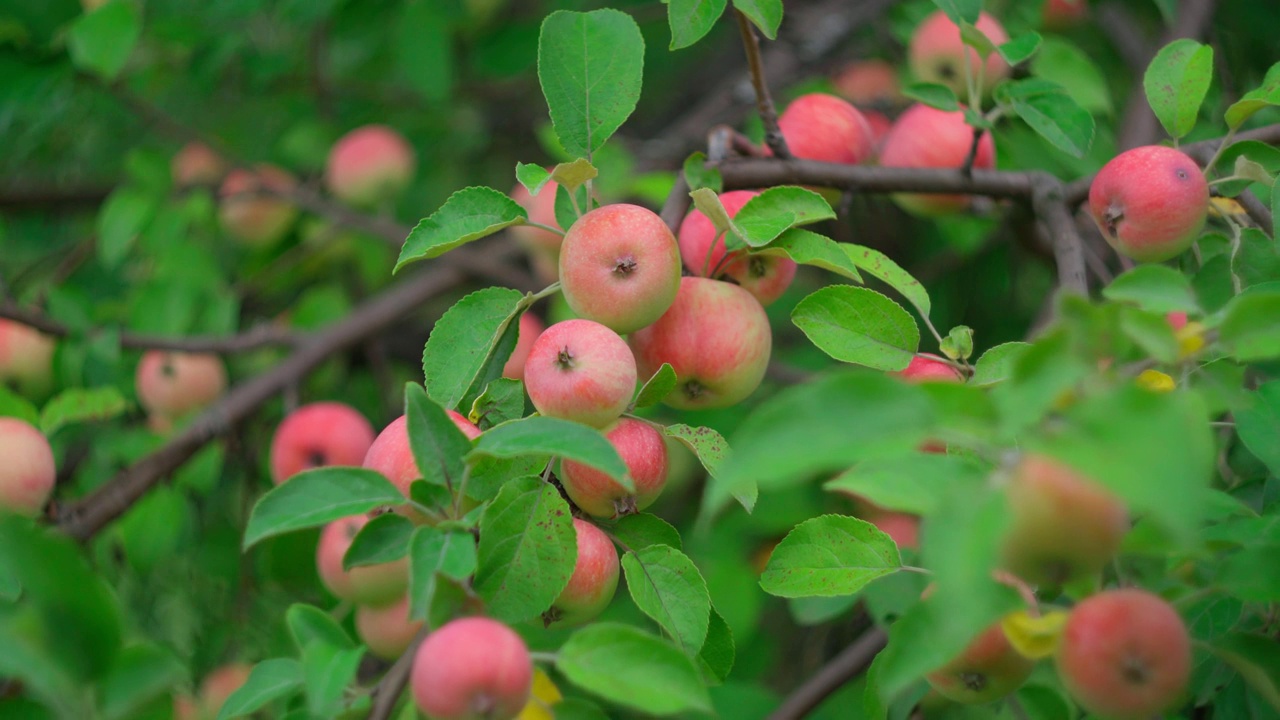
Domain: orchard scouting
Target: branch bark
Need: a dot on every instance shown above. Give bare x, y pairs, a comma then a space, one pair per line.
393, 683
843, 667
764, 101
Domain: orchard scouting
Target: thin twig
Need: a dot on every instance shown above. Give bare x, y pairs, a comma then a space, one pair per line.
967, 168
393, 683
764, 101
843, 667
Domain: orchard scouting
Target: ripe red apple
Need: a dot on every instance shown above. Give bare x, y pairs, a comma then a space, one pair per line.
472, 669
645, 453
1061, 14
764, 276
1176, 320
868, 82
196, 164
369, 165
256, 219
185, 707
936, 53
391, 455
582, 371
542, 210
218, 686
987, 670
1063, 525
26, 359
594, 579
1125, 654
1149, 202
367, 584
620, 266
929, 368
824, 127
28, 474
531, 328
387, 630
717, 339
171, 385
318, 435
903, 528
924, 137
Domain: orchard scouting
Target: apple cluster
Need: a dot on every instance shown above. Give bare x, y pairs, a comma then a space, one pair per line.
29, 473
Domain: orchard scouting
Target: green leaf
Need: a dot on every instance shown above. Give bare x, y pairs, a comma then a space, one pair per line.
532, 177
1153, 287
421, 38
269, 680
141, 674
778, 209
101, 41
469, 214
572, 175
316, 497
327, 672
698, 176
710, 447
15, 406
502, 400
960, 11
1020, 48
1151, 332
527, 550
857, 325
708, 203
717, 654
765, 14
932, 94
590, 67
552, 436
913, 483
879, 266
126, 213
690, 20
309, 625
1049, 110
566, 210
77, 405
973, 37
382, 539
438, 445
1259, 425
666, 586
464, 344
827, 425
1249, 330
1067, 65
641, 530
958, 344
810, 248
656, 387
632, 668
1249, 574
1249, 151
1176, 82
1257, 659
435, 553
1266, 95
828, 556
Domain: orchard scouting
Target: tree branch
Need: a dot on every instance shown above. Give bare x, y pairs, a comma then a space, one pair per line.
392, 685
1054, 217
851, 661
1258, 212
764, 101
767, 172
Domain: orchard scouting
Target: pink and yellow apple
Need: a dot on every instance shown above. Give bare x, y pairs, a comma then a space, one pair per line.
937, 53
716, 337
196, 164
987, 670
929, 368
1150, 202
391, 455
248, 213
582, 371
218, 686
28, 473
172, 385
824, 127
620, 266
924, 137
370, 165
593, 582
319, 435
26, 359
703, 251
387, 631
645, 453
531, 328
471, 669
366, 584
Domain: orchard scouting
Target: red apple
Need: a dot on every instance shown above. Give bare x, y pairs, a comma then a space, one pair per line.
472, 669
387, 630
620, 266
937, 54
391, 455
594, 579
26, 359
929, 368
28, 475
703, 251
318, 435
988, 669
369, 165
1125, 654
530, 329
824, 127
248, 215
1150, 202
171, 385
645, 453
924, 137
196, 164
1176, 320
903, 528
716, 337
219, 685
1062, 14
868, 82
366, 584
582, 371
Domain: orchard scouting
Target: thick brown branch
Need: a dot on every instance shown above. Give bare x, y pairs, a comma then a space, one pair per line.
843, 667
393, 683
1054, 216
1258, 212
764, 101
757, 173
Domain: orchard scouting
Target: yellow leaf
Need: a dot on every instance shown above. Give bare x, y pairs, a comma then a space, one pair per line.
1190, 339
1156, 381
1034, 637
1227, 207
544, 695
